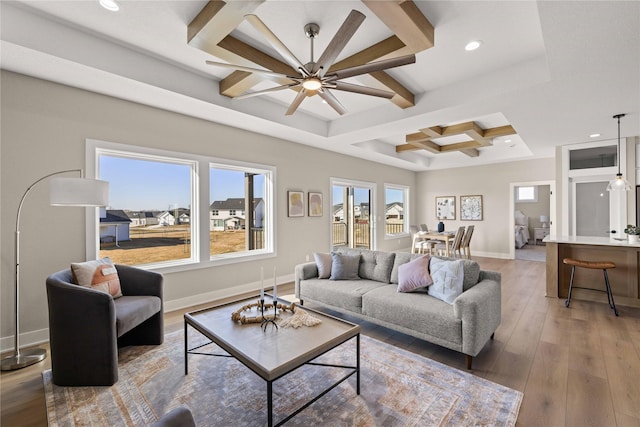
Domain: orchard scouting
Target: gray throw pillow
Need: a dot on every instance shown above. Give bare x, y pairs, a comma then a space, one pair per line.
344, 267
323, 261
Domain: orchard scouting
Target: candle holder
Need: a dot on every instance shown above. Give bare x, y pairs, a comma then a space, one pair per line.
266, 321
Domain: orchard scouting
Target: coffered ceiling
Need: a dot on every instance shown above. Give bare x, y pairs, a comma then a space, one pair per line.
554, 72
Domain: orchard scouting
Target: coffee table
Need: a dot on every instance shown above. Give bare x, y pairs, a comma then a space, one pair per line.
291, 348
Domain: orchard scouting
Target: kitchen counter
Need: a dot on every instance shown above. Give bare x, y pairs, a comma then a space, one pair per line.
625, 282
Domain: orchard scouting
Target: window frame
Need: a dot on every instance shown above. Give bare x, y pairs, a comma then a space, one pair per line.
405, 209
201, 257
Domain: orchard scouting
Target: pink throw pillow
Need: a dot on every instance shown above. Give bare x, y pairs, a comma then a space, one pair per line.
414, 275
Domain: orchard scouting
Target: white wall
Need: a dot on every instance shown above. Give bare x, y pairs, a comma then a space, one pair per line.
44, 127
492, 236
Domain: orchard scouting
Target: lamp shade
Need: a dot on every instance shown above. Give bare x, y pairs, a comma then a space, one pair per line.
618, 184
66, 191
544, 218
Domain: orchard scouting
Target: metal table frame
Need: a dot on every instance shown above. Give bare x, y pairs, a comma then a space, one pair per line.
189, 321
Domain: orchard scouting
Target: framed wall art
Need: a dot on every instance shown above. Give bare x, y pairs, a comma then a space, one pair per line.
446, 207
295, 203
471, 208
315, 203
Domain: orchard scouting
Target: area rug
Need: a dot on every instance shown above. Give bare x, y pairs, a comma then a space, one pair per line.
398, 388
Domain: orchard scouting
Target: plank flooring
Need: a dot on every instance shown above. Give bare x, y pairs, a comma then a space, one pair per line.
577, 366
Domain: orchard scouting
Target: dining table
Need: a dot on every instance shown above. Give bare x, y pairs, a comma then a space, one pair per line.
425, 236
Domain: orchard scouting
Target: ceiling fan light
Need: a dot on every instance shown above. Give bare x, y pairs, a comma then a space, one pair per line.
312, 83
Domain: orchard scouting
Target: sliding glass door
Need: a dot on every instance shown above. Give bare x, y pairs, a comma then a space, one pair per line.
353, 219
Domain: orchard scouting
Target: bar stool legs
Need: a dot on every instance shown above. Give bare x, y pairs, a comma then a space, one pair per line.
593, 265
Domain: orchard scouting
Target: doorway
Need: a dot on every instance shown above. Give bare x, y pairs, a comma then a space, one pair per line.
533, 213
353, 224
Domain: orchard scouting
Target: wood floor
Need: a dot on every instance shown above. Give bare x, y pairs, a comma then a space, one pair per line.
577, 367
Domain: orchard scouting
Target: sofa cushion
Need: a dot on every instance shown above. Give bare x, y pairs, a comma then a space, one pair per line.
344, 294
447, 279
344, 267
399, 259
133, 310
414, 275
376, 265
471, 271
323, 261
99, 274
415, 311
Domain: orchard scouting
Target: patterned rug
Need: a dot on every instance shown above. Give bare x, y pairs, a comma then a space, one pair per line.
398, 388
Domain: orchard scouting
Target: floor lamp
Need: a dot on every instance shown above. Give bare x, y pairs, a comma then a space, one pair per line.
63, 191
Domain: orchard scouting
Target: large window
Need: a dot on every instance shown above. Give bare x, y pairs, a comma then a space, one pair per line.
156, 218
396, 210
238, 207
526, 194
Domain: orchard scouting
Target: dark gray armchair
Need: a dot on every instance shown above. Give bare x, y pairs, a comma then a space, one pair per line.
86, 326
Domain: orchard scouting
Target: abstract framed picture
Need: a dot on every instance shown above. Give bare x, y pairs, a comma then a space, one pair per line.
295, 203
315, 203
471, 208
446, 207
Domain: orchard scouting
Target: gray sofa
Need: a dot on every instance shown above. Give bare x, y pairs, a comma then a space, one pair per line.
464, 326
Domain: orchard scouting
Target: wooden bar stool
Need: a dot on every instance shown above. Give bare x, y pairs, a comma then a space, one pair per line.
597, 265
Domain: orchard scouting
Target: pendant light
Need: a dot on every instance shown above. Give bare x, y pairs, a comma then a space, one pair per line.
619, 183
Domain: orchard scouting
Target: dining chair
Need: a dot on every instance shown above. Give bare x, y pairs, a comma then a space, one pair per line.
454, 248
418, 244
466, 241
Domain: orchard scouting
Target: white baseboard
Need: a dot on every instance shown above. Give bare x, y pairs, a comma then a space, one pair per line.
26, 339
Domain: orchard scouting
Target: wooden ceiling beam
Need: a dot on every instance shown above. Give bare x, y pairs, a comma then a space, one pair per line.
459, 146
427, 145
433, 132
471, 152
499, 131
406, 147
406, 21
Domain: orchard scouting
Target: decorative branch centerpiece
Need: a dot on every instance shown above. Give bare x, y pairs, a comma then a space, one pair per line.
299, 317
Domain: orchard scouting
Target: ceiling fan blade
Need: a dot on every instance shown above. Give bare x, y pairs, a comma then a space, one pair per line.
348, 87
250, 70
339, 41
296, 102
262, 92
332, 100
371, 67
275, 42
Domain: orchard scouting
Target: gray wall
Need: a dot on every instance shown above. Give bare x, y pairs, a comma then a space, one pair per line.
44, 127
492, 236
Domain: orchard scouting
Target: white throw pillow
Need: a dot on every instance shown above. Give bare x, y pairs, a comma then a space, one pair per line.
447, 279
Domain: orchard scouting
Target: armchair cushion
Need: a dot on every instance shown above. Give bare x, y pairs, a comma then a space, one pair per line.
133, 310
99, 274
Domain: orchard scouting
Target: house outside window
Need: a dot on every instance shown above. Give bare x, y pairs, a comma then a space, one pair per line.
154, 220
396, 210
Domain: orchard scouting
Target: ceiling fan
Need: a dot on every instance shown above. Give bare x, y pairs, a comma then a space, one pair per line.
313, 78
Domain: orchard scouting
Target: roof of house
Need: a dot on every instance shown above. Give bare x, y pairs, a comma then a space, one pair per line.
115, 215
232, 203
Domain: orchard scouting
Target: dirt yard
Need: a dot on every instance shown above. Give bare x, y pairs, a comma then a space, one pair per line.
149, 245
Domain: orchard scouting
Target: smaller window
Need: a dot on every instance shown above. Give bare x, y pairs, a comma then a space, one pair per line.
215, 212
396, 210
527, 194
232, 212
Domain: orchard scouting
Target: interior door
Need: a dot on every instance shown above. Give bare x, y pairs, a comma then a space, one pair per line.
596, 211
352, 224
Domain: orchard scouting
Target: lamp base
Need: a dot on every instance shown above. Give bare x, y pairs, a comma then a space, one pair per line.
25, 358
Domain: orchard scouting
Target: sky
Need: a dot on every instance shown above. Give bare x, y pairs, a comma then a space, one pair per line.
149, 185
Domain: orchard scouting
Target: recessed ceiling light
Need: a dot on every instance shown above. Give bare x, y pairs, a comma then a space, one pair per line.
473, 45
507, 140
110, 5
594, 135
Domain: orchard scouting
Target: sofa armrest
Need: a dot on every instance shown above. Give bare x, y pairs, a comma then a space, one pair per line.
136, 281
479, 308
305, 271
